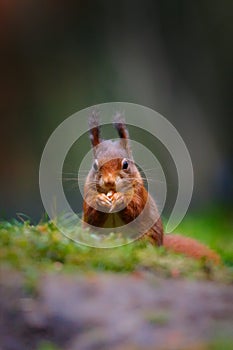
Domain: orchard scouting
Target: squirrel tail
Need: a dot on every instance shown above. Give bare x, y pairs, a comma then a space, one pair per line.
190, 247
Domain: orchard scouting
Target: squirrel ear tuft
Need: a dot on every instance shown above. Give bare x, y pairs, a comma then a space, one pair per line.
94, 128
119, 124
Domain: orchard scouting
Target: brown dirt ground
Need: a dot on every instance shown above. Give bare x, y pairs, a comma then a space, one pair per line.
113, 311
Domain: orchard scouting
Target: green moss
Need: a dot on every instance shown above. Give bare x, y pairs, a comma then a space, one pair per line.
158, 318
221, 344
47, 346
35, 249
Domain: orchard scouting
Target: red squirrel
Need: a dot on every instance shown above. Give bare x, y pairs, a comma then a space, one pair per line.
115, 195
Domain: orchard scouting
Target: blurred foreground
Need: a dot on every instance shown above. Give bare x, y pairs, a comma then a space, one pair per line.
109, 311
60, 295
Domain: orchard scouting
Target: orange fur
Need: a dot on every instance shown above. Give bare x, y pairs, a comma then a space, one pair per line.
109, 156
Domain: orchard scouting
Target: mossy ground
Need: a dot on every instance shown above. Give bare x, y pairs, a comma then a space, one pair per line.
37, 250
34, 249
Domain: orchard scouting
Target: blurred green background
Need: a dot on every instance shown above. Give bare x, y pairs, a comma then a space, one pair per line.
58, 57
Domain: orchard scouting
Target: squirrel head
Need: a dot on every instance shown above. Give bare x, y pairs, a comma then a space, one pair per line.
113, 167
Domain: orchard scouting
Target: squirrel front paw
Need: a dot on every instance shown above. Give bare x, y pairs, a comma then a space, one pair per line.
103, 202
110, 204
118, 202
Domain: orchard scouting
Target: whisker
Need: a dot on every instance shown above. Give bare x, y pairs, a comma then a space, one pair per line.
90, 189
148, 169
70, 173
75, 173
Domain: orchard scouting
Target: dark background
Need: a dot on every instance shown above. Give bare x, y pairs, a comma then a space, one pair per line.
58, 57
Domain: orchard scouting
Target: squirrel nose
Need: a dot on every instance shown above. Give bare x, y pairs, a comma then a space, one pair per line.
109, 182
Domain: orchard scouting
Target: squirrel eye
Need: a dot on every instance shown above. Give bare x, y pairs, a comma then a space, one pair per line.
125, 164
96, 165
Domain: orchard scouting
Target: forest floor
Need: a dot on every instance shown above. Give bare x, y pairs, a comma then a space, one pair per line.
56, 294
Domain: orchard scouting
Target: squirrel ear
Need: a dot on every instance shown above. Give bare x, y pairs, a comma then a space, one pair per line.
119, 124
94, 128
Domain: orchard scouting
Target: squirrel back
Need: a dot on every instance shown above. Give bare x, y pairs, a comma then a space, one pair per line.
115, 195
